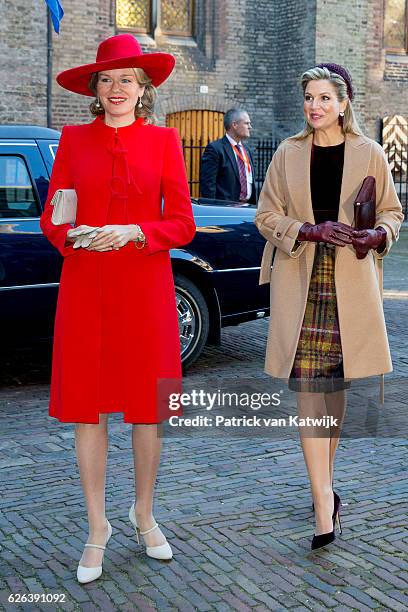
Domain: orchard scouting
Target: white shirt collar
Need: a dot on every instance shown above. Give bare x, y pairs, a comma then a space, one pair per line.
232, 141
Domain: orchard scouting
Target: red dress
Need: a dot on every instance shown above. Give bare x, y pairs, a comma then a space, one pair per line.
116, 328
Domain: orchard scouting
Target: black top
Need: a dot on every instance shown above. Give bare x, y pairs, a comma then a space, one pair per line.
326, 172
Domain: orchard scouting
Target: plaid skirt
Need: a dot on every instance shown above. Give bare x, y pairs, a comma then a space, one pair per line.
318, 363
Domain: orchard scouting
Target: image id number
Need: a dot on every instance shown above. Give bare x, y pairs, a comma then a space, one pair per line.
37, 597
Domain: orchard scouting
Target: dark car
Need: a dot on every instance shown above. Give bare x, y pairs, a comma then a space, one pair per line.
216, 275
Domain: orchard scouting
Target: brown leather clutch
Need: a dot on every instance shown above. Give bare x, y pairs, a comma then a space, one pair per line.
364, 205
364, 208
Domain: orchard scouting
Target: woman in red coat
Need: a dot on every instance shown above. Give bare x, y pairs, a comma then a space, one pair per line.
116, 328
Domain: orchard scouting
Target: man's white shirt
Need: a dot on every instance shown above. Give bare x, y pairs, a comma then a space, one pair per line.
249, 175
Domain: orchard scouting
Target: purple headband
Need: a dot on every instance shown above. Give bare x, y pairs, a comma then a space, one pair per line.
344, 73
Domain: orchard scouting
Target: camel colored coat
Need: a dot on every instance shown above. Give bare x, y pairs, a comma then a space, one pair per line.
284, 205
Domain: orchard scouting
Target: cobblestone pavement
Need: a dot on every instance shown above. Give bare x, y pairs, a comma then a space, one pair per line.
236, 510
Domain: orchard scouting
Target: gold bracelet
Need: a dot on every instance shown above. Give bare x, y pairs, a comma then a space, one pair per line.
140, 240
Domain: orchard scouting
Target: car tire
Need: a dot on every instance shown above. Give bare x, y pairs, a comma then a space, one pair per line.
193, 318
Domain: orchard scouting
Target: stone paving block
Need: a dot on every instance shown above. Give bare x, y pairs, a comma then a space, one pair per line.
351, 602
221, 606
236, 511
268, 599
319, 584
360, 581
321, 596
399, 596
76, 591
235, 603
203, 589
218, 561
286, 601
101, 599
141, 603
390, 578
359, 595
196, 600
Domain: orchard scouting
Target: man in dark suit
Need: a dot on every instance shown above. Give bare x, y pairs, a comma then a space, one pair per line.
227, 167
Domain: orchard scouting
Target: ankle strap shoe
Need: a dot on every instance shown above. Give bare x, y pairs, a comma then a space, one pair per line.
162, 552
87, 574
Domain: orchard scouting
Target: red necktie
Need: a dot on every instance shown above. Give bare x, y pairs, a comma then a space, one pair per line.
242, 174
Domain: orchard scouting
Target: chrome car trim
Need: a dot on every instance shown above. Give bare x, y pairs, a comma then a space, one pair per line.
38, 286
7, 219
51, 147
237, 269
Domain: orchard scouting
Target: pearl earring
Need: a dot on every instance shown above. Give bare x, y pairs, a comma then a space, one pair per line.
140, 103
98, 104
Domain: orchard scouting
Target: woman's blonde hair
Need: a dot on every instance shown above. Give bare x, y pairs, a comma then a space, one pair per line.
350, 123
148, 99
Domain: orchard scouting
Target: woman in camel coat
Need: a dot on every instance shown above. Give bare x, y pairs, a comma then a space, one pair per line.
288, 219
116, 329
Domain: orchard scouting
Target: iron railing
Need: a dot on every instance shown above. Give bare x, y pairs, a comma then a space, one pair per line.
263, 150
397, 155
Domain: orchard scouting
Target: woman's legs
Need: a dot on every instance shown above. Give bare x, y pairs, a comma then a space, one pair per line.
146, 456
316, 451
336, 406
91, 443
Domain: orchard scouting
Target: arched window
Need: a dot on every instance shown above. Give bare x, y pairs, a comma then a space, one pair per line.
395, 26
172, 17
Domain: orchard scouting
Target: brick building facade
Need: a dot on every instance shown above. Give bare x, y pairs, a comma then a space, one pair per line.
245, 53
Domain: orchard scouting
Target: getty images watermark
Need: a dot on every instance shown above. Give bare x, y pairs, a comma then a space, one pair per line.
267, 407
241, 401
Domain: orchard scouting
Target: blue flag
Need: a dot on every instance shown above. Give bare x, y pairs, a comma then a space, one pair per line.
56, 11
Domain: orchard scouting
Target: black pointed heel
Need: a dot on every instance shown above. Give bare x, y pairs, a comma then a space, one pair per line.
324, 539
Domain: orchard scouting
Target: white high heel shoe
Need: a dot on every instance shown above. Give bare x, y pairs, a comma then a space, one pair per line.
163, 551
87, 574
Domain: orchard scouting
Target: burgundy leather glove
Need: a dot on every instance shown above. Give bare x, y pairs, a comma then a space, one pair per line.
364, 240
332, 232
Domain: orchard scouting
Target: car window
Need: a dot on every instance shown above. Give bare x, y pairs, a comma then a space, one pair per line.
17, 198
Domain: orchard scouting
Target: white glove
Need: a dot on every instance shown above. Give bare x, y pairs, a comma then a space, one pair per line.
84, 236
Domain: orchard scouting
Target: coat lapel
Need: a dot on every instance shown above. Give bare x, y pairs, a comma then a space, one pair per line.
230, 153
297, 166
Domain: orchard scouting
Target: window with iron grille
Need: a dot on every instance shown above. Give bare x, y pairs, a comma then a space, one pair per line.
173, 17
396, 26
176, 17
134, 15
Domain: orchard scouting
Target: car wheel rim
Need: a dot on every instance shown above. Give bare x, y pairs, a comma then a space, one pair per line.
189, 321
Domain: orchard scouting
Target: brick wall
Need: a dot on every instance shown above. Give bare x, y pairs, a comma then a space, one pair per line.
351, 33
229, 55
249, 54
23, 66
293, 53
83, 26
386, 76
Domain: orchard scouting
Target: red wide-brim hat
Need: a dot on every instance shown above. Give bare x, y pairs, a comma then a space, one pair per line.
122, 51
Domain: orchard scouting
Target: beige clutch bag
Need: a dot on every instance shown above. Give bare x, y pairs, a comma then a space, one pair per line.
64, 202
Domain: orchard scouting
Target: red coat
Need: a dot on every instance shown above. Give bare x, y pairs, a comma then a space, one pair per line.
116, 328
